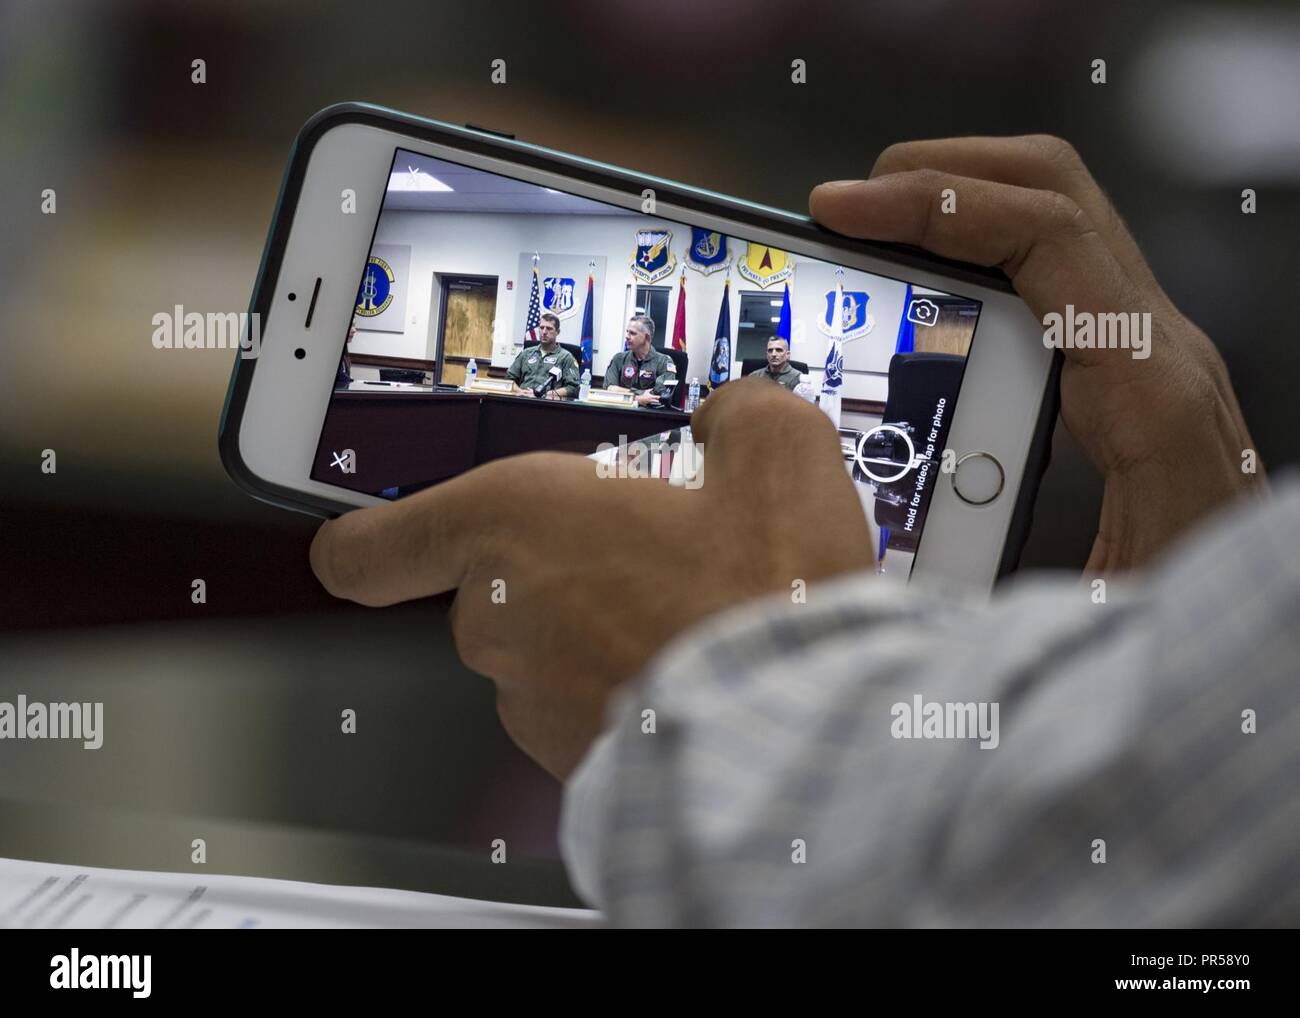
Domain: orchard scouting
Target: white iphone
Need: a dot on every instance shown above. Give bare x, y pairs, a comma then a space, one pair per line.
433, 297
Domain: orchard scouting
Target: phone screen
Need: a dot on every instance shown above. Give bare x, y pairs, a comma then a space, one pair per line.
496, 316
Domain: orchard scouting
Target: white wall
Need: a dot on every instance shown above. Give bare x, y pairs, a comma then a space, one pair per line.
490, 243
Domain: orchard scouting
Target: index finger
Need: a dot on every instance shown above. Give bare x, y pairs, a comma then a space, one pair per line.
1042, 240
417, 546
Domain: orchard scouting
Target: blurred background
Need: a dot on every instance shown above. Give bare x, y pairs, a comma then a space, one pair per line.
223, 718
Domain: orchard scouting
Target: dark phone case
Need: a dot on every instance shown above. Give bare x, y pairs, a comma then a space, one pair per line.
684, 196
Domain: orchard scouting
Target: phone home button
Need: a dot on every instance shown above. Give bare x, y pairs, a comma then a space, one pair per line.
978, 479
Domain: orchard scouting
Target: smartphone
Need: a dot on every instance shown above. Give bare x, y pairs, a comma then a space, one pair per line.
432, 297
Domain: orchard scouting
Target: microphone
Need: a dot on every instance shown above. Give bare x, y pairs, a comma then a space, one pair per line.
553, 378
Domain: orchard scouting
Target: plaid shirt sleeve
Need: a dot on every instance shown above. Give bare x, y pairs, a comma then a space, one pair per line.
1145, 771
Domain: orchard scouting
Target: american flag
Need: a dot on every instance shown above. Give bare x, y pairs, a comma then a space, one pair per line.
534, 312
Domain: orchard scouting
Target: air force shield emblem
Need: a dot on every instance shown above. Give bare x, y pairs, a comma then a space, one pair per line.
557, 296
708, 251
854, 319
765, 265
653, 260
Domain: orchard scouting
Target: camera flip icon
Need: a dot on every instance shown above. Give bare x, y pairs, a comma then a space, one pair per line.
923, 312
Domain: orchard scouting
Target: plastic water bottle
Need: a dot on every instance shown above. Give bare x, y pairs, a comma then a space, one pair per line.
693, 396
688, 462
584, 384
804, 389
471, 372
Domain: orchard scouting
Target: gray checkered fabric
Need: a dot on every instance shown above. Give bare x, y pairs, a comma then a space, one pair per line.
1120, 732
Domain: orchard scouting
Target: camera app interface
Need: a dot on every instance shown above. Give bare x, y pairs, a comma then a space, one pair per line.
496, 316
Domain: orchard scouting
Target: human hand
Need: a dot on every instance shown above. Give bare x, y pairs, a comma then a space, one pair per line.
1165, 432
573, 624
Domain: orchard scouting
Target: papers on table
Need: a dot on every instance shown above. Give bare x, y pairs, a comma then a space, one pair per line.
53, 896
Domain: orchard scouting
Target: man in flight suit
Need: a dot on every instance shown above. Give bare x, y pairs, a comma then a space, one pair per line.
778, 364
648, 372
531, 370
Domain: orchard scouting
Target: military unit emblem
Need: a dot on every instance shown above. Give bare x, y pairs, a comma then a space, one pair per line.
708, 251
765, 265
854, 320
376, 291
557, 296
652, 260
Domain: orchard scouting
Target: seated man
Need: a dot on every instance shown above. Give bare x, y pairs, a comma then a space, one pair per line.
343, 378
778, 364
648, 372
534, 368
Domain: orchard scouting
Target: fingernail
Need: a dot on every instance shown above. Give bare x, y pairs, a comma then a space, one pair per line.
839, 183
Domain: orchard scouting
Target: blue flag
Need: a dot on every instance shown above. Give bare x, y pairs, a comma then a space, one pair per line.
587, 327
833, 376
906, 327
783, 327
720, 364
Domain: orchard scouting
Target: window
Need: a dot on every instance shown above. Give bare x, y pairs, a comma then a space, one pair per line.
759, 315
653, 301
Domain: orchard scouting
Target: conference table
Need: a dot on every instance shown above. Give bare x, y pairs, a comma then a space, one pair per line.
405, 438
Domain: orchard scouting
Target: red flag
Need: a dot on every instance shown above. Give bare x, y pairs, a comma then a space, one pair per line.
679, 323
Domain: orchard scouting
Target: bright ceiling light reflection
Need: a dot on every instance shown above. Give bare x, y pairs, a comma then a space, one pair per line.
414, 179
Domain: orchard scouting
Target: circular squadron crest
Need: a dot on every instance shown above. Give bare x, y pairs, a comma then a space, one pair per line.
376, 291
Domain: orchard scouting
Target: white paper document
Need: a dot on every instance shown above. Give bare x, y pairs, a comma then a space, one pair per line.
39, 895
